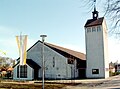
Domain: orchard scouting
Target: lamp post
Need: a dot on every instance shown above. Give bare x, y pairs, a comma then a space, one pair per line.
43, 63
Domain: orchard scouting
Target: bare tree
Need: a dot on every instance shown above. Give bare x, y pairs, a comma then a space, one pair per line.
113, 10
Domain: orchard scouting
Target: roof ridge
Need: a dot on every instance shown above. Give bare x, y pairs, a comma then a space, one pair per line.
63, 47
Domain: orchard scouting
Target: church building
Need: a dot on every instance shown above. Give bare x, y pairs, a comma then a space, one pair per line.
60, 63
96, 47
63, 63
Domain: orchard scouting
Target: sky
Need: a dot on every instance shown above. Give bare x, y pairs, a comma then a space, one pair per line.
61, 20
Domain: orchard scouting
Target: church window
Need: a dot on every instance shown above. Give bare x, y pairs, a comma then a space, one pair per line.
53, 61
93, 29
98, 29
58, 74
70, 61
57, 68
46, 68
95, 71
89, 30
22, 71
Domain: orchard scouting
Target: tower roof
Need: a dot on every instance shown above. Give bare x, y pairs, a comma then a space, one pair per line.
95, 19
94, 22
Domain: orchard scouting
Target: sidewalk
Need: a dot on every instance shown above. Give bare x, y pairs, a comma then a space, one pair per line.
82, 80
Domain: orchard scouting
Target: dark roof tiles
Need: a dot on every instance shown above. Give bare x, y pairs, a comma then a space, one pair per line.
92, 22
71, 52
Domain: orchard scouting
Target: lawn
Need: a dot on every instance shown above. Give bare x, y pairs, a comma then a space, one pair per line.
30, 86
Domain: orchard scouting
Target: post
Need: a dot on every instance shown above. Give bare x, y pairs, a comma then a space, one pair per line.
43, 62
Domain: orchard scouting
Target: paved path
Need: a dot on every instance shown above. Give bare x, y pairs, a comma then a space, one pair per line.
110, 83
113, 83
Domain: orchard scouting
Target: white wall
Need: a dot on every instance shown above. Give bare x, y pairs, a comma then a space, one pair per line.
96, 53
106, 61
29, 73
61, 68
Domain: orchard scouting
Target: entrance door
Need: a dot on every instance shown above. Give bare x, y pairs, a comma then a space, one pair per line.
82, 73
35, 74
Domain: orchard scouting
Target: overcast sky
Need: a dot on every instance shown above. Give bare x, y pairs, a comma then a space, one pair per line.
61, 20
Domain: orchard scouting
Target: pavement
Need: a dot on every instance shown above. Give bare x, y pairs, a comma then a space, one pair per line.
109, 83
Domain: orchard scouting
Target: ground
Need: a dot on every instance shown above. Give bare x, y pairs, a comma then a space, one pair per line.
109, 83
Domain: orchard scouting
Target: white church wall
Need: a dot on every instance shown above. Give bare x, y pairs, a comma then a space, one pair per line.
59, 70
72, 71
106, 61
75, 69
35, 54
29, 73
15, 73
55, 65
94, 49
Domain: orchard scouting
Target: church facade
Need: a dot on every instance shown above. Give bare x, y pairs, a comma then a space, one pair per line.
60, 63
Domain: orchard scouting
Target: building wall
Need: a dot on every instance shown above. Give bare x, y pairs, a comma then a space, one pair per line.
56, 65
106, 59
29, 73
96, 52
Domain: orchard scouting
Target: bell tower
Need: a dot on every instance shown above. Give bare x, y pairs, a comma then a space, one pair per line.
96, 47
95, 14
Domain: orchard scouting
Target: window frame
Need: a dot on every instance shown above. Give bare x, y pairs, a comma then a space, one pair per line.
98, 28
53, 61
95, 71
22, 72
93, 29
88, 30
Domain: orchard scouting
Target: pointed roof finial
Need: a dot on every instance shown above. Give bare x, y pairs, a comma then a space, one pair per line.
94, 5
95, 13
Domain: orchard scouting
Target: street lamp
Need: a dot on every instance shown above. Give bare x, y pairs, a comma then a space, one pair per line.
43, 63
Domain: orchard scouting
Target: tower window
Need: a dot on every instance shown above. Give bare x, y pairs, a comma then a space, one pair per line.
98, 29
93, 29
89, 30
95, 71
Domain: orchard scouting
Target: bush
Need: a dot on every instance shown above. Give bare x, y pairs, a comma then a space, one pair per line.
113, 74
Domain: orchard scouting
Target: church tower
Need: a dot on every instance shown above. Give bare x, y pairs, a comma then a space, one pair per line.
96, 47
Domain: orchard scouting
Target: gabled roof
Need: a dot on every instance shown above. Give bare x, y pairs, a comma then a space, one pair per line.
76, 54
62, 50
94, 22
